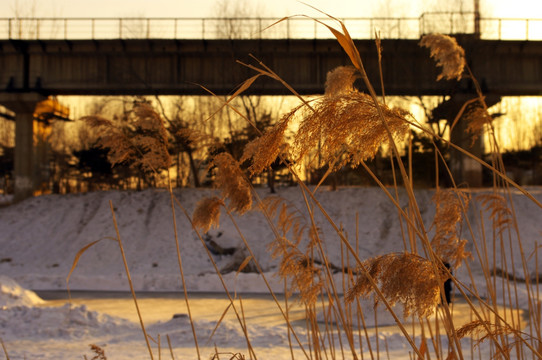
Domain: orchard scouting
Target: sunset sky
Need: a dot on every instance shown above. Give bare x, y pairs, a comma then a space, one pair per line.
207, 8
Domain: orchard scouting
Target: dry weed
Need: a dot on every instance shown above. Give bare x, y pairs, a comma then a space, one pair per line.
299, 269
143, 141
345, 126
448, 54
100, 353
341, 80
477, 117
207, 213
289, 218
500, 213
231, 180
446, 243
402, 277
264, 150
485, 330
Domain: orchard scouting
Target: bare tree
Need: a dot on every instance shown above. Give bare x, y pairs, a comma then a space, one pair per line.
233, 19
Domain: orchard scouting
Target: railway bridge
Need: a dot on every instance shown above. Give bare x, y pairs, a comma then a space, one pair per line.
43, 57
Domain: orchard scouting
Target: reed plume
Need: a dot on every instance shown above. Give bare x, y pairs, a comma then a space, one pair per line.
448, 54
264, 150
498, 210
195, 137
341, 80
289, 218
141, 142
207, 213
231, 181
450, 205
299, 269
344, 124
485, 330
112, 138
477, 117
402, 277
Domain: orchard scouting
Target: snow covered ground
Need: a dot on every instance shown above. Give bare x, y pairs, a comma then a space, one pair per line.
40, 237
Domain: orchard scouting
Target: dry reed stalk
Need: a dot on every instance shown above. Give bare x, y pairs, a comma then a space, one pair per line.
159, 342
4, 349
435, 339
261, 272
244, 320
286, 307
361, 318
327, 267
181, 270
170, 348
538, 312
217, 271
130, 279
380, 72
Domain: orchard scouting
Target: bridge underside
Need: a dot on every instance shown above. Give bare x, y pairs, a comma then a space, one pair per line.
184, 67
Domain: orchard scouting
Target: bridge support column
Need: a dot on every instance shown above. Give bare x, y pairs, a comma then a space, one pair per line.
26, 171
466, 170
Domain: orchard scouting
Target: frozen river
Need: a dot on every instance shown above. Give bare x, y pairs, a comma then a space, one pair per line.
259, 309
162, 306
53, 330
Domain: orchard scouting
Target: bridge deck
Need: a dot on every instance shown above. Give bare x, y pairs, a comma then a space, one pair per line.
175, 67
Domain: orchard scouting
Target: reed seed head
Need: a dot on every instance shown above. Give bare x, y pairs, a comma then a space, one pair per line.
347, 129
448, 54
231, 180
264, 150
450, 206
299, 269
143, 142
402, 277
477, 117
485, 330
207, 213
341, 80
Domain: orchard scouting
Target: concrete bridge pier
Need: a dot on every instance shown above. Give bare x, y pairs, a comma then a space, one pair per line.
26, 170
466, 171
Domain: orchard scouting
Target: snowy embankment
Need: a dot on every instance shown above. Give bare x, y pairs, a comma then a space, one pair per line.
40, 237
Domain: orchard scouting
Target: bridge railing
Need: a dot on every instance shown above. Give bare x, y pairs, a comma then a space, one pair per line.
260, 28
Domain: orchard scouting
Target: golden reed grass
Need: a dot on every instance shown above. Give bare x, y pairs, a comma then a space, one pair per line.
403, 278
448, 54
141, 141
446, 243
344, 127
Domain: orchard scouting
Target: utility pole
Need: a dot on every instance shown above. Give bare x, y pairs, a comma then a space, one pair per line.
477, 18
